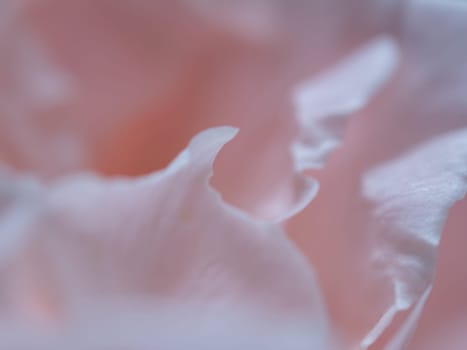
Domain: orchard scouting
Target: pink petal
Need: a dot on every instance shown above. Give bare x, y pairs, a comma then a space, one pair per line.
379, 258
155, 261
448, 334
444, 316
324, 104
423, 101
127, 87
436, 56
412, 196
439, 54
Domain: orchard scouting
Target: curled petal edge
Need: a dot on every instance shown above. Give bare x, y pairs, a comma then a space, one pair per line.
324, 104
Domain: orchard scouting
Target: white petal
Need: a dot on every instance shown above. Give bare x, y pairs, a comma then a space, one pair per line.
323, 106
160, 262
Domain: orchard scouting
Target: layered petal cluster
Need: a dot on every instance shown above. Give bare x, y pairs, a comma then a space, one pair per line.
323, 223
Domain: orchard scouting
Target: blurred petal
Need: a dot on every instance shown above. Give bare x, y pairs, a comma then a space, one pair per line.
448, 334
439, 76
436, 55
426, 100
324, 104
139, 78
252, 20
155, 261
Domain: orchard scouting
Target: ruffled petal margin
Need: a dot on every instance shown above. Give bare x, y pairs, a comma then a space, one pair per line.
323, 106
411, 197
374, 254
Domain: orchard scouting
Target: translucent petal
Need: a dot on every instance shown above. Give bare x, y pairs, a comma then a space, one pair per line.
412, 196
117, 87
375, 256
159, 261
324, 104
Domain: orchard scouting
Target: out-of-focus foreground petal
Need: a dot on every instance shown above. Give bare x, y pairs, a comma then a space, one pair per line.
159, 261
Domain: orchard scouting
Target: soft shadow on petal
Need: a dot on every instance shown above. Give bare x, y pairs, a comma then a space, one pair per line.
447, 335
155, 261
443, 319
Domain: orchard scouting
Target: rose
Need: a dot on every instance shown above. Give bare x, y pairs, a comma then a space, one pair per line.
250, 284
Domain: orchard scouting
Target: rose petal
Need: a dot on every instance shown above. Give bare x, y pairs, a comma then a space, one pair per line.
388, 246
412, 196
136, 85
162, 260
405, 333
447, 306
450, 334
324, 104
438, 55
415, 107
440, 79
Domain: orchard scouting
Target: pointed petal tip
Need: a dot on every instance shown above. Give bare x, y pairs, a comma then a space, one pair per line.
217, 135
209, 142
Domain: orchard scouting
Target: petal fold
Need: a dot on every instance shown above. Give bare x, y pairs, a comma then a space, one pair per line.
411, 197
324, 104
163, 260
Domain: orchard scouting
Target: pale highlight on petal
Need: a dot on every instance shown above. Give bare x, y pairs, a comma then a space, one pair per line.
324, 104
403, 336
160, 261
